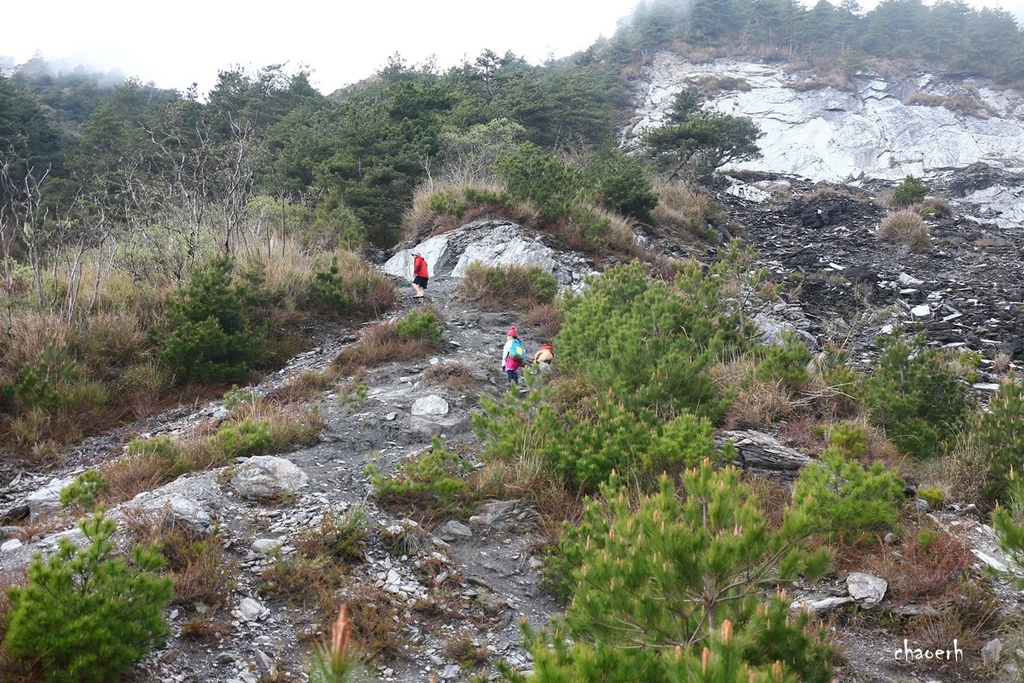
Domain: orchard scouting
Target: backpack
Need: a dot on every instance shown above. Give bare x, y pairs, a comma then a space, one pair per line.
516, 350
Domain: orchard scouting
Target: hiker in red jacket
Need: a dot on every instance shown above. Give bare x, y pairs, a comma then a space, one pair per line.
419, 275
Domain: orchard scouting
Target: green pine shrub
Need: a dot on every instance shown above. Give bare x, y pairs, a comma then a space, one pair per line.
850, 500
652, 343
432, 482
457, 200
349, 287
909, 192
1000, 432
1008, 523
235, 397
787, 363
85, 491
423, 325
44, 384
334, 225
168, 453
933, 496
211, 339
915, 398
244, 439
531, 174
327, 290
86, 616
849, 438
582, 452
668, 570
623, 184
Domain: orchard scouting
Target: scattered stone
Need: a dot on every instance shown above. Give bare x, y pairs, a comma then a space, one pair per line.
454, 530
867, 589
164, 507
12, 544
821, 605
47, 499
915, 611
759, 452
429, 405
991, 651
250, 610
505, 515
267, 476
266, 546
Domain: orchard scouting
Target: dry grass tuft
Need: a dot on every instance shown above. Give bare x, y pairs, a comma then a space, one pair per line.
907, 228
527, 478
379, 621
457, 377
502, 288
544, 319
596, 230
379, 344
928, 562
445, 205
936, 206
681, 209
462, 649
304, 385
202, 573
962, 473
758, 404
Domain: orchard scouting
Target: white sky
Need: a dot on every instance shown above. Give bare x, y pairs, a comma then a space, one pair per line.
176, 44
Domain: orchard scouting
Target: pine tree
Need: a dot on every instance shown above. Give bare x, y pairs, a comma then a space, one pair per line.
86, 616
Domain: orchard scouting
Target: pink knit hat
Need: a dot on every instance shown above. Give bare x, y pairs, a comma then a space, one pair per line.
512, 332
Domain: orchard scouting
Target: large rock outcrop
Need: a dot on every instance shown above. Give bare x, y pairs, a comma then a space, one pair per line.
881, 129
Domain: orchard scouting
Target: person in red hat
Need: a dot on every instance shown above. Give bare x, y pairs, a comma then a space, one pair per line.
542, 359
513, 355
420, 275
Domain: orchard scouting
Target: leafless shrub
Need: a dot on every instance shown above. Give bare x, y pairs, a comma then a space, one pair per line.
929, 562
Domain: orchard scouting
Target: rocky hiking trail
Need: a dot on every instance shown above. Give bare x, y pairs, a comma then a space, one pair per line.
480, 574
480, 571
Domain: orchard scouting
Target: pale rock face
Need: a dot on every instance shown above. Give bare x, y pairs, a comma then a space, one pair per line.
830, 135
429, 405
493, 243
47, 499
266, 476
